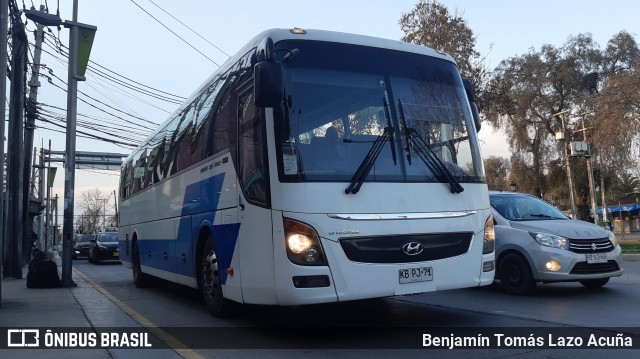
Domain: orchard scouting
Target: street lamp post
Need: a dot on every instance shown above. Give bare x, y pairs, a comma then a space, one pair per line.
77, 67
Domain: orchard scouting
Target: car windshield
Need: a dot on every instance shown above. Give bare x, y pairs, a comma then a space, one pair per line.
520, 207
340, 105
108, 237
84, 238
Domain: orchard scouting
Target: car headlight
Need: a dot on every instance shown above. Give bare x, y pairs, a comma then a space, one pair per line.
303, 244
489, 241
612, 238
550, 240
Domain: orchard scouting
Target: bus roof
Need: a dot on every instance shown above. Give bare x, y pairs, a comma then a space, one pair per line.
310, 35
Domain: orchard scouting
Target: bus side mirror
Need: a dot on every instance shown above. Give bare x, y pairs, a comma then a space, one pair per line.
472, 102
268, 84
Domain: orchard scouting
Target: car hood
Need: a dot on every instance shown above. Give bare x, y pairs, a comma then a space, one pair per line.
572, 229
109, 244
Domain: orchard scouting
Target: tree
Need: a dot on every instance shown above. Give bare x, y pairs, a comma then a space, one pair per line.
528, 92
496, 169
431, 24
616, 107
627, 183
93, 218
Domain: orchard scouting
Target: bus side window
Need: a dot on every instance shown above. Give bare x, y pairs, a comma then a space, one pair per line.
253, 167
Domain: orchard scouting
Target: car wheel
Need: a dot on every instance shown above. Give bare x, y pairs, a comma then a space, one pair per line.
210, 282
140, 279
96, 257
594, 283
515, 274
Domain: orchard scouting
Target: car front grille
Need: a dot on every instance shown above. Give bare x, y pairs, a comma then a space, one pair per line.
599, 245
595, 268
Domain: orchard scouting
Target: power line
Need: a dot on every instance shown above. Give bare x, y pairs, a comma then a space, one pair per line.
192, 30
41, 118
146, 90
96, 100
178, 36
114, 126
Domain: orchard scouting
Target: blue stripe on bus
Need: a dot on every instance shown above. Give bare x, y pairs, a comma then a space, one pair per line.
198, 210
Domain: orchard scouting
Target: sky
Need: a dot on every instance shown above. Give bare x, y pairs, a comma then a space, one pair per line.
130, 42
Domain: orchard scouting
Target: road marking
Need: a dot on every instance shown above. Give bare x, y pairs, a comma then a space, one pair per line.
173, 343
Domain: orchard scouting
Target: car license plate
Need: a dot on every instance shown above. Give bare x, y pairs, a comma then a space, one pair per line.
413, 275
596, 258
116, 254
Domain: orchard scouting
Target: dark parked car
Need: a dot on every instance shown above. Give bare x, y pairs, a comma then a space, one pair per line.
81, 245
104, 247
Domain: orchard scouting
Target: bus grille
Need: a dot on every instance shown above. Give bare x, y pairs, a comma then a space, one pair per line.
389, 249
590, 245
595, 268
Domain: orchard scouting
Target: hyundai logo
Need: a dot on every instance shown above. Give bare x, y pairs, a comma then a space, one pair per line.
412, 248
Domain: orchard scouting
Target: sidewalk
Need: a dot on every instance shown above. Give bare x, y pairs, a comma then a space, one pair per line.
81, 308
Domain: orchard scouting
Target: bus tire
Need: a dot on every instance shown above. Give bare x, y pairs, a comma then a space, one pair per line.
140, 279
210, 282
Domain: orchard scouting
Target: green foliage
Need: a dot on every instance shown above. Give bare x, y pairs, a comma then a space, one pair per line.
633, 247
431, 24
530, 96
496, 170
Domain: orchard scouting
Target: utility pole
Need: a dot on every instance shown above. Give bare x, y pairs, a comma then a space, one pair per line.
47, 221
605, 220
42, 169
592, 188
55, 221
34, 83
77, 67
70, 163
115, 203
13, 265
568, 161
4, 17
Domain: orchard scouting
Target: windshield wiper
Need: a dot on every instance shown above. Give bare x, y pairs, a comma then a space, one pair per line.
540, 215
367, 163
426, 154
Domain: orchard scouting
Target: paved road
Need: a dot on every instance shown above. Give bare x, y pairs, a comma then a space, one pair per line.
564, 305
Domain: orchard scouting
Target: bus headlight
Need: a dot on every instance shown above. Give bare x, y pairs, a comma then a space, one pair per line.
303, 244
489, 242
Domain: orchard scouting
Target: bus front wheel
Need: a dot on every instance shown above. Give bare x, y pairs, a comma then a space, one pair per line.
211, 283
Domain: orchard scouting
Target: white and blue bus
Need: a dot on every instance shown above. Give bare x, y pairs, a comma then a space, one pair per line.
313, 167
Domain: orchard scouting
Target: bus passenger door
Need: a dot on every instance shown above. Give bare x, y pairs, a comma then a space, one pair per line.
254, 239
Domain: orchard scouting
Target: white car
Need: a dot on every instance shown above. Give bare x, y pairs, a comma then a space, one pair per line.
535, 242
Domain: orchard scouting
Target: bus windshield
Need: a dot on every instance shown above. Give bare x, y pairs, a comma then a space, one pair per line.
343, 100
